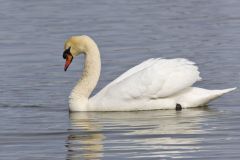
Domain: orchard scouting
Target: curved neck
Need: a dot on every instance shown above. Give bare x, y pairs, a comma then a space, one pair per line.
90, 75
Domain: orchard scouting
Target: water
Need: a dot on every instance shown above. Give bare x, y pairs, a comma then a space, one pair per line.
34, 119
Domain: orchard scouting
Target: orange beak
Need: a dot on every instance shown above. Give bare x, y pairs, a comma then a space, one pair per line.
69, 59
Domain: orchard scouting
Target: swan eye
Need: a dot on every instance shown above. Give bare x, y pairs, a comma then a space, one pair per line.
66, 52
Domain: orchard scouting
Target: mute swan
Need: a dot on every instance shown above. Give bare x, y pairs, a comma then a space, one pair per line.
153, 84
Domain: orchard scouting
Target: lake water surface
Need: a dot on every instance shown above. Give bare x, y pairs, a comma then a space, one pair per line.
34, 119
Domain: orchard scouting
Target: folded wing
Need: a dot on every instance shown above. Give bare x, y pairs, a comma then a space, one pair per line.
152, 79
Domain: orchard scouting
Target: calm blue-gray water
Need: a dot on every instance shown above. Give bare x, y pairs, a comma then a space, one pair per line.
34, 119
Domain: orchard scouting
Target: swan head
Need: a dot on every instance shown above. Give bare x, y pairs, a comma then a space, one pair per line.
75, 46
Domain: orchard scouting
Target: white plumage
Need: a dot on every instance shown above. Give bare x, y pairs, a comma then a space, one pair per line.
153, 84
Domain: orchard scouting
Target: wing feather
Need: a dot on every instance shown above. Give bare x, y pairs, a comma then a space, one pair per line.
153, 78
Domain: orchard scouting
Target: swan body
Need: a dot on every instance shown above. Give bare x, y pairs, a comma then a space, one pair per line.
153, 84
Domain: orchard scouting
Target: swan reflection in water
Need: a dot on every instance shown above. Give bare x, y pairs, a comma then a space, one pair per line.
159, 134
85, 140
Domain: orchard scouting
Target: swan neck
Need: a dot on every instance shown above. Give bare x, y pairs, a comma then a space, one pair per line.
90, 75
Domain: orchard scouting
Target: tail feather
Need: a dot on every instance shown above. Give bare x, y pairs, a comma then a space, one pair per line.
194, 97
221, 92
214, 94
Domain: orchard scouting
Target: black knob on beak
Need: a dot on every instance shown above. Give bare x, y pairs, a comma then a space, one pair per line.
66, 52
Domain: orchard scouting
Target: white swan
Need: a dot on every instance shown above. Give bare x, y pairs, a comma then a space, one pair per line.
153, 84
